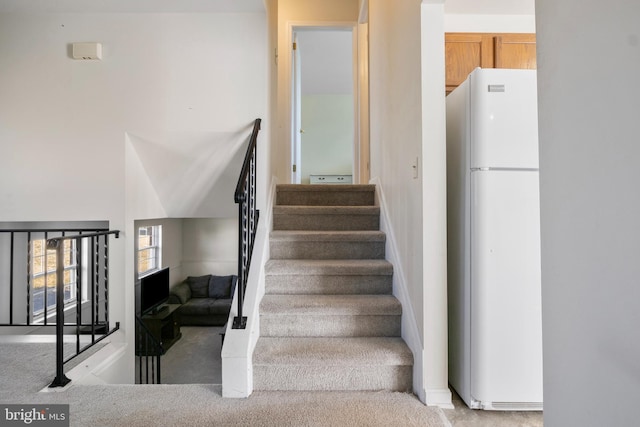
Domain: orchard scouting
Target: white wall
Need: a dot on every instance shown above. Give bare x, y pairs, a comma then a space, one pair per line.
210, 246
327, 142
400, 139
396, 127
463, 23
589, 100
434, 210
65, 153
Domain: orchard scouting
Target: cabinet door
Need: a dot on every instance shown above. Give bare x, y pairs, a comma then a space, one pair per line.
515, 51
463, 53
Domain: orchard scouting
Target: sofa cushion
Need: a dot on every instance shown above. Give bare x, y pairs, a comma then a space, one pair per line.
199, 286
206, 307
221, 286
220, 306
182, 292
197, 307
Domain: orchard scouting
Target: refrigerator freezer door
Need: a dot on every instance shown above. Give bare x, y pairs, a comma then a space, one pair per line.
506, 319
504, 118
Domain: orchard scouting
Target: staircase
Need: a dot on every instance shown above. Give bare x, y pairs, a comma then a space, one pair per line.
328, 320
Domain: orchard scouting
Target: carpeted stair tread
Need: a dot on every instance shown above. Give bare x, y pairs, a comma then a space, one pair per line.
328, 236
328, 305
326, 217
328, 285
302, 276
329, 267
332, 351
325, 210
305, 244
325, 195
334, 325
326, 188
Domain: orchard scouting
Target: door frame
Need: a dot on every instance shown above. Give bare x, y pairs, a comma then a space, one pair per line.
360, 83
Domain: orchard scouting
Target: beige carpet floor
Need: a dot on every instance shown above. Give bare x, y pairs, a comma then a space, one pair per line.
195, 358
27, 368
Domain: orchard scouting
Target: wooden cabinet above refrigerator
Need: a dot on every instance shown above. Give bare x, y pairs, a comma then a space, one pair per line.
466, 51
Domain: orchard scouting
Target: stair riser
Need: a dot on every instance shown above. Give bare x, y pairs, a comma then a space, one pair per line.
331, 285
334, 378
285, 249
325, 222
314, 198
329, 325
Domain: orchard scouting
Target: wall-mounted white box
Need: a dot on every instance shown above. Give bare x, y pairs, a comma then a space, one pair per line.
87, 51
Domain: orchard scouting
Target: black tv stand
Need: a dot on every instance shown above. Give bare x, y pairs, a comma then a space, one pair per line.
159, 309
164, 325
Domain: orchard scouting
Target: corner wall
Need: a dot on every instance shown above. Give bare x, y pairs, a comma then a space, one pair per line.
406, 42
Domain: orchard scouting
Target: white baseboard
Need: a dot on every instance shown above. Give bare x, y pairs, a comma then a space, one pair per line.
439, 397
410, 332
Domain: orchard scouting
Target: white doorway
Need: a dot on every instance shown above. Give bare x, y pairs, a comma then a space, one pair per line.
325, 134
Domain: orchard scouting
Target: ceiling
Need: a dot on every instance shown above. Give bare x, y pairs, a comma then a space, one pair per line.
130, 6
490, 7
481, 7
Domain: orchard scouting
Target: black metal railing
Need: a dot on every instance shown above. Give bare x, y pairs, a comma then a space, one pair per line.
148, 351
248, 215
92, 256
31, 288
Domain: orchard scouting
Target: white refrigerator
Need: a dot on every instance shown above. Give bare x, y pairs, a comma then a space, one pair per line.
494, 292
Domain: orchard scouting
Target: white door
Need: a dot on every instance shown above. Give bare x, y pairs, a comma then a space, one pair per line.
296, 128
506, 316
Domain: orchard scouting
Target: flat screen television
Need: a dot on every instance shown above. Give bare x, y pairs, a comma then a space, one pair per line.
154, 290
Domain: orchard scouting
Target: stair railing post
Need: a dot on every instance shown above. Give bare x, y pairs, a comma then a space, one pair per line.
240, 321
61, 379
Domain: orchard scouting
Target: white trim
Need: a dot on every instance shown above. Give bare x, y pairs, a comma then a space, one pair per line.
363, 16
237, 351
434, 204
440, 398
287, 59
410, 331
156, 237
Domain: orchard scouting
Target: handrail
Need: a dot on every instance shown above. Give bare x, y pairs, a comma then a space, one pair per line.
248, 215
157, 350
56, 243
244, 172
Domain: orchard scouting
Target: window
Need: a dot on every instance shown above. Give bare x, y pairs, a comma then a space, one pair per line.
44, 278
149, 253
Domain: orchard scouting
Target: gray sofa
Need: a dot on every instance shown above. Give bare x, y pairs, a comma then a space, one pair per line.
206, 300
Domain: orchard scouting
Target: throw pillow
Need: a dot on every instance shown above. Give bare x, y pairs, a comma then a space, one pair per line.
220, 286
199, 286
